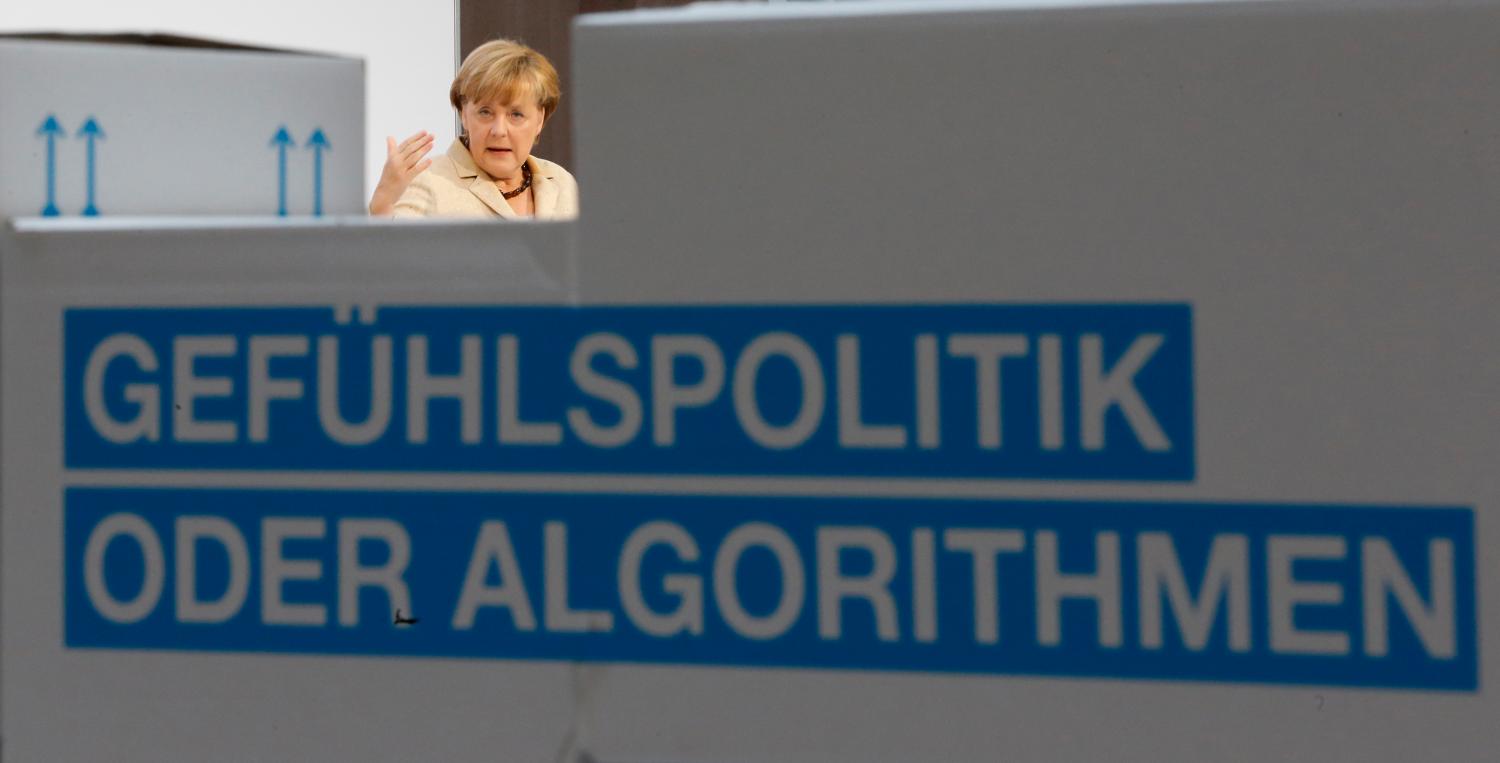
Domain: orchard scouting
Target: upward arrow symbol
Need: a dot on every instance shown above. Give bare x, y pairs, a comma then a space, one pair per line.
91, 132
282, 140
52, 130
318, 142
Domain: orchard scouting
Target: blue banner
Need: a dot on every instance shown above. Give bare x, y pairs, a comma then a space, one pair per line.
977, 391
1290, 594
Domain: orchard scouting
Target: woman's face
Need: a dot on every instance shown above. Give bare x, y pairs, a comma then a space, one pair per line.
501, 134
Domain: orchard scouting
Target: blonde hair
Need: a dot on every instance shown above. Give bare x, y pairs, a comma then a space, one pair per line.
502, 70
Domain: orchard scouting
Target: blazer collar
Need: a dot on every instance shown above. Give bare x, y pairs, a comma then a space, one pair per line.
544, 187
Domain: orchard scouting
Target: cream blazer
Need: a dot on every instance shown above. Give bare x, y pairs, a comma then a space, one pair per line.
454, 187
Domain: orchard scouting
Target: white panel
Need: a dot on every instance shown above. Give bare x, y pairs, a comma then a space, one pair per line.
408, 50
1317, 180
61, 703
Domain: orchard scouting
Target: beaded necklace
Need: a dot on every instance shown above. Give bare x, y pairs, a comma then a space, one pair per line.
525, 182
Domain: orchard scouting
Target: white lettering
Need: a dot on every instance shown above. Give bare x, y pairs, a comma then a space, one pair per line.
1227, 576
834, 586
1383, 574
984, 548
1049, 391
853, 431
190, 531
329, 412
667, 395
614, 391
512, 430
1102, 587
987, 351
688, 615
276, 569
747, 406
561, 617
493, 545
389, 577
152, 580
422, 387
188, 388
147, 397
793, 581
263, 387
924, 585
1284, 551
1102, 390
929, 423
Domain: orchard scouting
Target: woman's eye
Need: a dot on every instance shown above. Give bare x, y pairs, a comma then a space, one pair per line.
484, 112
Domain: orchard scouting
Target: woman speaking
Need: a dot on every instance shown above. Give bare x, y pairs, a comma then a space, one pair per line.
504, 93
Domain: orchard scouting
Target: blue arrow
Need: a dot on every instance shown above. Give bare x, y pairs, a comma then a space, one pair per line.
282, 140
318, 143
92, 132
52, 130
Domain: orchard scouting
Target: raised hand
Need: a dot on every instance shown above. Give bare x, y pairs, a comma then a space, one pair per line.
403, 162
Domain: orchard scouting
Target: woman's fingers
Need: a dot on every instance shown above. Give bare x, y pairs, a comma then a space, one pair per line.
415, 142
403, 162
416, 150
411, 157
416, 154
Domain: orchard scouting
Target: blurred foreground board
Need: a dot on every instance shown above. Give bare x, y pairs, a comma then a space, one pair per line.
96, 125
1315, 181
951, 382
